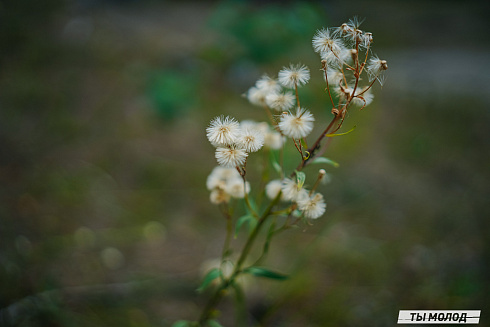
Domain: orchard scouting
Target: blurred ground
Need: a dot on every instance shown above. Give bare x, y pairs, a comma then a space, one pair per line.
104, 214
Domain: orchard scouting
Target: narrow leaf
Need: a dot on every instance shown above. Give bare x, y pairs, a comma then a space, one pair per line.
320, 160
300, 178
210, 276
247, 219
266, 273
339, 134
275, 164
277, 167
253, 205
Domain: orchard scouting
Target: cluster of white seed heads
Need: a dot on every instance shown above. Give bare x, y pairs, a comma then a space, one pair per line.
345, 54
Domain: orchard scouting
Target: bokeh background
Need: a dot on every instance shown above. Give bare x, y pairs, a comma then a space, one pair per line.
104, 215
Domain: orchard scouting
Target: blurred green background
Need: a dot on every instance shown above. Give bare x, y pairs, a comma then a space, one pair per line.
104, 215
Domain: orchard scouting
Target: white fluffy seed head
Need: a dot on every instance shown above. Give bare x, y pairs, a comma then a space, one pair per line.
294, 75
223, 131
273, 140
268, 85
360, 100
256, 96
367, 39
273, 188
312, 206
297, 125
290, 190
231, 157
280, 101
337, 59
364, 99
218, 196
214, 181
375, 66
220, 176
334, 76
236, 189
325, 41
252, 139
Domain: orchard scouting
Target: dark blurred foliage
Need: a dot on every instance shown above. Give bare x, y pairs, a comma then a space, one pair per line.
104, 215
262, 33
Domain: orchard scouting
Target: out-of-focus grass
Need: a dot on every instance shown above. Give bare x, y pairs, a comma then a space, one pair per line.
104, 215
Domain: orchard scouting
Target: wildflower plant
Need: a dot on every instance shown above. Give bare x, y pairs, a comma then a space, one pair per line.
350, 70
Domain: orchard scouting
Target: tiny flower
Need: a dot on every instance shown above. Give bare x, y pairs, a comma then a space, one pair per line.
268, 85
252, 139
273, 188
231, 157
290, 190
273, 140
298, 125
280, 101
312, 206
218, 196
236, 189
223, 131
294, 76
325, 41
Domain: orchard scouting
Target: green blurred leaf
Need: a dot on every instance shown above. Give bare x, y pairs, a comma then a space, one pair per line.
300, 178
210, 276
277, 167
247, 219
253, 205
214, 323
266, 273
320, 160
181, 323
171, 92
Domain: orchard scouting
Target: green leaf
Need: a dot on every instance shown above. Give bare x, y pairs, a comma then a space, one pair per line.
181, 323
320, 160
266, 273
253, 205
277, 167
214, 323
247, 219
300, 178
210, 276
339, 134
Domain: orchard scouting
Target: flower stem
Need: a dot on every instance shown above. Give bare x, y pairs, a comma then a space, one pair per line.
221, 290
